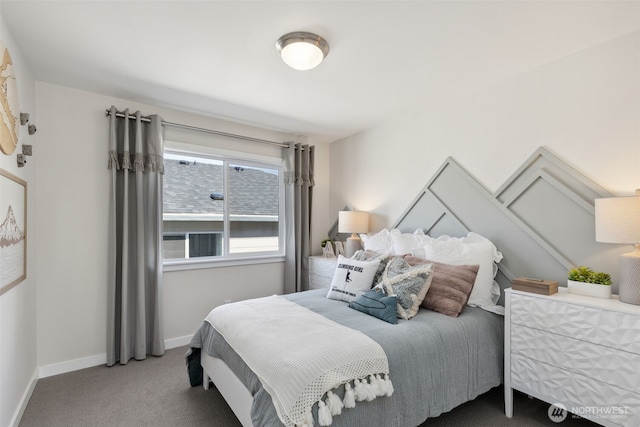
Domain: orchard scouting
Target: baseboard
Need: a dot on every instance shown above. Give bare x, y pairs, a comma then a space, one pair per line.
75, 365
26, 396
98, 359
72, 365
177, 342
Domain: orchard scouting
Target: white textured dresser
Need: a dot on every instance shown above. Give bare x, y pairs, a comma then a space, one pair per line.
321, 271
581, 352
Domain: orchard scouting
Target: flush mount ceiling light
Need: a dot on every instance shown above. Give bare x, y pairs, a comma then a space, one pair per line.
302, 51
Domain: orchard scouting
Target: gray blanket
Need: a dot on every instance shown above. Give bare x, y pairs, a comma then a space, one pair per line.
436, 362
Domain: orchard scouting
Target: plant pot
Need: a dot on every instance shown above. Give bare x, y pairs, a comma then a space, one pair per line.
589, 289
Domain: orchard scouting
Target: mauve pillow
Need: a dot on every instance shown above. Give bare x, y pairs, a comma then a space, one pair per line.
450, 288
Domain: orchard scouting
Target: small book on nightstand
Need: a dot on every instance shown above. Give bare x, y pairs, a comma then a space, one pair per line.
536, 286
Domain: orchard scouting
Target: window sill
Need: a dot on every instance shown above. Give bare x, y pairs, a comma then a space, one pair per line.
179, 265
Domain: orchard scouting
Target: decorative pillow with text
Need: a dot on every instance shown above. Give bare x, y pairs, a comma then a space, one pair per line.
352, 278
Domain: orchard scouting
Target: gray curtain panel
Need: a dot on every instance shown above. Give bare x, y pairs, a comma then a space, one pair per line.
299, 183
134, 327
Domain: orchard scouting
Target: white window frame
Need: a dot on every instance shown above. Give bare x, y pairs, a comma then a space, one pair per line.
243, 258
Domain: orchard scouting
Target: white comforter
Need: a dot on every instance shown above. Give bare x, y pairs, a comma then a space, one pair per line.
297, 354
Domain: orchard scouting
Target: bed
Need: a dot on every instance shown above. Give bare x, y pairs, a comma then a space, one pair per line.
437, 362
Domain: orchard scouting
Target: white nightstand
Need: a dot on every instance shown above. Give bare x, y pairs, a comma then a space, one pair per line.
321, 271
581, 352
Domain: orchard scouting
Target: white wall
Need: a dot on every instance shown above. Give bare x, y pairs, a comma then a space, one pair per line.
73, 190
584, 107
18, 365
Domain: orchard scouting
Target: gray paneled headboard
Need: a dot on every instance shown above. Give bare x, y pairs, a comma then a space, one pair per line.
541, 218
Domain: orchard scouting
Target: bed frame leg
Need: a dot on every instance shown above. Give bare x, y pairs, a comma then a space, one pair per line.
205, 379
508, 402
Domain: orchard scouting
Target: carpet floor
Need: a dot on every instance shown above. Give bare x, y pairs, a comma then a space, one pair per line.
156, 392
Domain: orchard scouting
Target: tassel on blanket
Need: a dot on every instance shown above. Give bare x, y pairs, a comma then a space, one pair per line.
308, 421
378, 385
369, 391
349, 400
359, 391
390, 389
324, 414
334, 403
375, 385
382, 386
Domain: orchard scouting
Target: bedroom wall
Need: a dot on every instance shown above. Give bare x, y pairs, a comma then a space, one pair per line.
18, 364
584, 107
73, 185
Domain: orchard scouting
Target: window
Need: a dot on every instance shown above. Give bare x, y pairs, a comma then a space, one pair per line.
220, 207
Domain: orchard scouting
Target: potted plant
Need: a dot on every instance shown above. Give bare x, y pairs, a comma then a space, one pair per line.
584, 281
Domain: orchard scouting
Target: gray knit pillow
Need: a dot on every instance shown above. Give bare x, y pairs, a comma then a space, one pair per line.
409, 284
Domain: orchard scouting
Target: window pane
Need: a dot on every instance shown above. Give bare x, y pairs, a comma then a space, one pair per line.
253, 208
205, 244
193, 205
200, 211
173, 246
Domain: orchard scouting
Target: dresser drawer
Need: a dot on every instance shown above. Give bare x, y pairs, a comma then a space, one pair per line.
596, 325
318, 282
321, 271
614, 367
577, 392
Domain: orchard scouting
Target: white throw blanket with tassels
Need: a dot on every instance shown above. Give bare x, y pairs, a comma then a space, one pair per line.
300, 356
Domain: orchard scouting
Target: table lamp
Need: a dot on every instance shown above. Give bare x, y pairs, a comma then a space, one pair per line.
618, 221
353, 222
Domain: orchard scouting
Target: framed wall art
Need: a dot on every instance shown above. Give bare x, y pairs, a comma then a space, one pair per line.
13, 230
9, 105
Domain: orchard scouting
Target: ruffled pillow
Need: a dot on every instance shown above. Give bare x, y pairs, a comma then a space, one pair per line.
406, 243
470, 250
377, 242
395, 242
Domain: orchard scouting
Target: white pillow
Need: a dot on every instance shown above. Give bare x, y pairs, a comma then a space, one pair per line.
378, 242
352, 278
475, 238
473, 249
406, 243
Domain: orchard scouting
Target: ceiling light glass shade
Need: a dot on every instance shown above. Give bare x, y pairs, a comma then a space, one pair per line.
302, 51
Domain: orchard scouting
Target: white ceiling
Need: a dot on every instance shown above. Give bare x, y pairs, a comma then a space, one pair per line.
219, 58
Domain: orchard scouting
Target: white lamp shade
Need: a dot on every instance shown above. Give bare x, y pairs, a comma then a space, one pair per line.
618, 220
353, 222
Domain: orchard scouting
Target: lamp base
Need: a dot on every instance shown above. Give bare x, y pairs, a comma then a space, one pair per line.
352, 245
629, 287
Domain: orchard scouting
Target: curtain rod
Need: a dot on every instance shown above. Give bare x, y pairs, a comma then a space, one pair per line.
204, 130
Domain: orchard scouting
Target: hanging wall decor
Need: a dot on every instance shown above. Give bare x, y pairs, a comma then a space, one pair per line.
9, 106
13, 230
